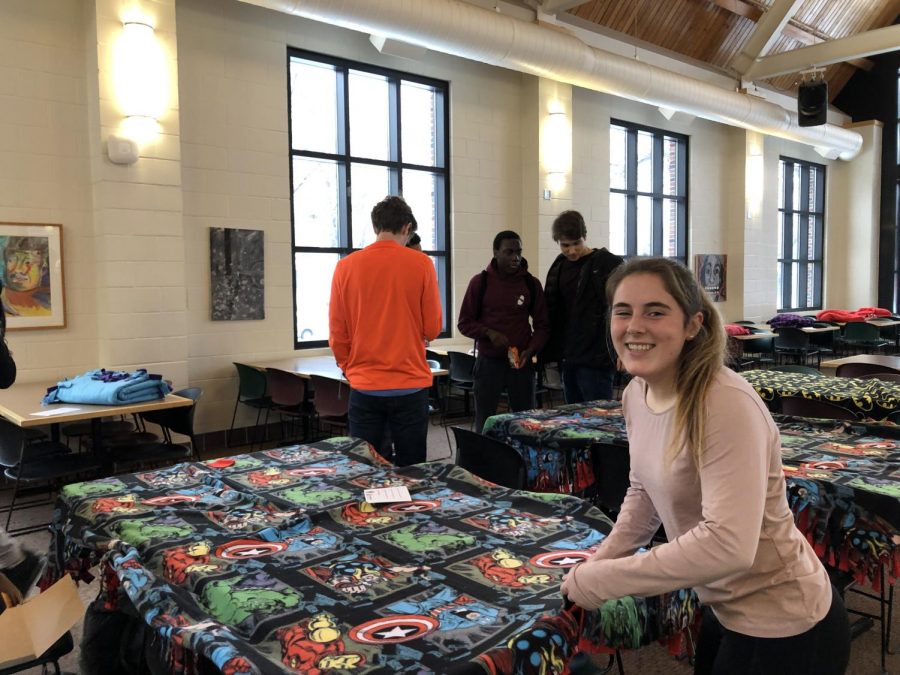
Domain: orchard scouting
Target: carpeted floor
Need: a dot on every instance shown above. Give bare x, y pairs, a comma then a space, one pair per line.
651, 660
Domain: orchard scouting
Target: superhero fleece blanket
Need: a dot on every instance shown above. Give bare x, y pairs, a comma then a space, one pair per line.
270, 563
108, 387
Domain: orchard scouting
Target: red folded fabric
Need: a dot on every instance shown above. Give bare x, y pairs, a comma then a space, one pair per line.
736, 329
841, 315
873, 311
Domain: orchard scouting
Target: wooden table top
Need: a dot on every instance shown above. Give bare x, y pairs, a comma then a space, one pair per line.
21, 405
324, 366
873, 359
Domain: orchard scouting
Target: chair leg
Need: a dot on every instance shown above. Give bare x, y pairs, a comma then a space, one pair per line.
231, 428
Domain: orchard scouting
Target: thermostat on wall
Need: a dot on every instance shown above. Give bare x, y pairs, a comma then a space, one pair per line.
121, 150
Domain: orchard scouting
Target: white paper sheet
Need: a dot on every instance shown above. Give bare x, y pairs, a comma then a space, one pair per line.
55, 411
398, 493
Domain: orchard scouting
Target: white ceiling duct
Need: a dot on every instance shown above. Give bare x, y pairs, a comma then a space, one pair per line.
464, 30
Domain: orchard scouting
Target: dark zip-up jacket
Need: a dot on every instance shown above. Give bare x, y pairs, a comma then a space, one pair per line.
583, 339
506, 304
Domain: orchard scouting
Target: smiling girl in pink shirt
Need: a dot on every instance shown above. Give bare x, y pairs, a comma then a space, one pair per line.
706, 463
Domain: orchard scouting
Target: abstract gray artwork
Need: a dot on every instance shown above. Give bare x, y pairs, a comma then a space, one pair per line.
237, 274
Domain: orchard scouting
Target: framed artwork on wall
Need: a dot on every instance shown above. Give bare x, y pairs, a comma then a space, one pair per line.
710, 270
237, 274
32, 274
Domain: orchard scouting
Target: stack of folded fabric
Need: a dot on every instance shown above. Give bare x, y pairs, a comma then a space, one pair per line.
109, 387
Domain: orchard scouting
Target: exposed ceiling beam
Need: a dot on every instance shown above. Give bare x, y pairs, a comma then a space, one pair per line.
792, 29
556, 6
768, 30
875, 41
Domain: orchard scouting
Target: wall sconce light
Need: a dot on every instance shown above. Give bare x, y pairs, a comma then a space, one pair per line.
140, 78
754, 175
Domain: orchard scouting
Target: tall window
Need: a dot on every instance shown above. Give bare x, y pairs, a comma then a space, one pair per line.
648, 196
359, 133
801, 228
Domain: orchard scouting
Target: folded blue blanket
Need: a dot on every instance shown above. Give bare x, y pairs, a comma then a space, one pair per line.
109, 387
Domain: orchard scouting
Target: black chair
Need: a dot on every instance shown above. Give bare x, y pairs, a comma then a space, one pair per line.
462, 378
331, 402
170, 420
793, 342
612, 468
823, 340
798, 406
862, 337
760, 350
290, 400
54, 653
863, 369
489, 459
29, 463
884, 377
251, 393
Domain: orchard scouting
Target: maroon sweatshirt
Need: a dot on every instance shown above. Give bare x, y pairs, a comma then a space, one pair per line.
505, 307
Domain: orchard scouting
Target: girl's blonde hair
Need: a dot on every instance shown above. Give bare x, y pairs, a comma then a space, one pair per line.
701, 358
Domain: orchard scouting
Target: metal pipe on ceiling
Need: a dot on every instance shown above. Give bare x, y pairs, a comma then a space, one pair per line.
471, 32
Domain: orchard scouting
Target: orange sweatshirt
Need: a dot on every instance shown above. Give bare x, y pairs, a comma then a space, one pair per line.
384, 305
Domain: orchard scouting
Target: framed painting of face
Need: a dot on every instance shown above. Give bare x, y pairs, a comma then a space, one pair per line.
710, 270
32, 274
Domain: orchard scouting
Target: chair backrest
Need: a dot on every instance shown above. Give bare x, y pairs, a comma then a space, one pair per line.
12, 442
331, 398
861, 331
489, 458
442, 359
285, 388
796, 368
612, 468
462, 367
789, 337
251, 381
179, 420
860, 369
884, 377
798, 406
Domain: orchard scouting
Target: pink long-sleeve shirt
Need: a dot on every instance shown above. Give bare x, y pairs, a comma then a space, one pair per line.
731, 533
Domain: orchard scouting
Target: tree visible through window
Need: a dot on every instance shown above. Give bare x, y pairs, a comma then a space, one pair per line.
648, 194
359, 133
801, 227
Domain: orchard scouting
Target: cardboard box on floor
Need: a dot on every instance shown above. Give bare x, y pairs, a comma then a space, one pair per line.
31, 628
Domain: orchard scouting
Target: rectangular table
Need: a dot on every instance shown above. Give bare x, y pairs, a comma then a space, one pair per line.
272, 559
324, 366
841, 477
830, 367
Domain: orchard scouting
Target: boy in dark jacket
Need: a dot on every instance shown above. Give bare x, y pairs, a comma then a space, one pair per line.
576, 300
495, 312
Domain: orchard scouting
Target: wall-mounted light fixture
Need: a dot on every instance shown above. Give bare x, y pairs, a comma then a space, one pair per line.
141, 82
754, 175
557, 148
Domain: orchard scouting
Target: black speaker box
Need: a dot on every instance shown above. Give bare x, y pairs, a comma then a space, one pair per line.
812, 103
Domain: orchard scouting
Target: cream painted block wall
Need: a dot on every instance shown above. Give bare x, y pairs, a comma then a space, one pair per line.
233, 82
44, 168
851, 256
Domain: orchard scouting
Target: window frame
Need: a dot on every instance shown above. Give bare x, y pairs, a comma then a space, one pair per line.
657, 196
786, 214
345, 160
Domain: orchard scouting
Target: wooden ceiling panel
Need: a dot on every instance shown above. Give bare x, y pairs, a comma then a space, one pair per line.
714, 31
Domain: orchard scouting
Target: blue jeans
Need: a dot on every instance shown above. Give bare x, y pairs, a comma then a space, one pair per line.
405, 416
583, 383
